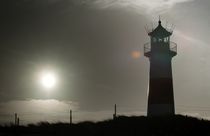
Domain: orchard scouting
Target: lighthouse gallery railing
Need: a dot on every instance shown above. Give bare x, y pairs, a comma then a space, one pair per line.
172, 45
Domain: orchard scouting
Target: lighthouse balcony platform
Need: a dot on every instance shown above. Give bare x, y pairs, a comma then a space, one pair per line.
160, 47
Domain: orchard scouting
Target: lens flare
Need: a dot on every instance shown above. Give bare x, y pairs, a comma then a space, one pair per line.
136, 54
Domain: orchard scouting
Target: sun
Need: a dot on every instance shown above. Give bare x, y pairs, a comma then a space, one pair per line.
48, 80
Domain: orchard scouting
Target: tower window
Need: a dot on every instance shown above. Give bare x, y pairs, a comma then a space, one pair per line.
160, 40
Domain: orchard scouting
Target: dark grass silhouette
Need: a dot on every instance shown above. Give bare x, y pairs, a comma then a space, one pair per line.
122, 126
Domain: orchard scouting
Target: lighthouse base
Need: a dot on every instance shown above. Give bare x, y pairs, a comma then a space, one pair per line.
160, 110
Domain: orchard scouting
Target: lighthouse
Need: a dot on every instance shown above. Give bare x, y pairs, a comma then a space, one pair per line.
160, 51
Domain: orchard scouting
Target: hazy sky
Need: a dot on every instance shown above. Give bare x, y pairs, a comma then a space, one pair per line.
95, 49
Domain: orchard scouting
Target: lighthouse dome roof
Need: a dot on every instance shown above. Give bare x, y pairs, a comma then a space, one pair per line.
160, 32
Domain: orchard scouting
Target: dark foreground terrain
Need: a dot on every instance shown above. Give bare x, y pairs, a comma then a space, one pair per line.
122, 126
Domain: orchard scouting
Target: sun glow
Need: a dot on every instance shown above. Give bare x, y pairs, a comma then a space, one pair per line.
48, 80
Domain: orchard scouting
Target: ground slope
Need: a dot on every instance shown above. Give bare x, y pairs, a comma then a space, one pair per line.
122, 126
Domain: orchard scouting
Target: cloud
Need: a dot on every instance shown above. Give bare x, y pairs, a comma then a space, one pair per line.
105, 114
36, 110
191, 114
148, 6
195, 115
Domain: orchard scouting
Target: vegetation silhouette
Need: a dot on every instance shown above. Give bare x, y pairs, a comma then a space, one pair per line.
123, 126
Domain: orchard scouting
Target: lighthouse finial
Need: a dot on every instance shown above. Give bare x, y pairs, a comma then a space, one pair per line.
159, 20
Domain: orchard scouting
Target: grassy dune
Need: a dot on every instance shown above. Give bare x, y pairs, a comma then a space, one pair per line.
122, 126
